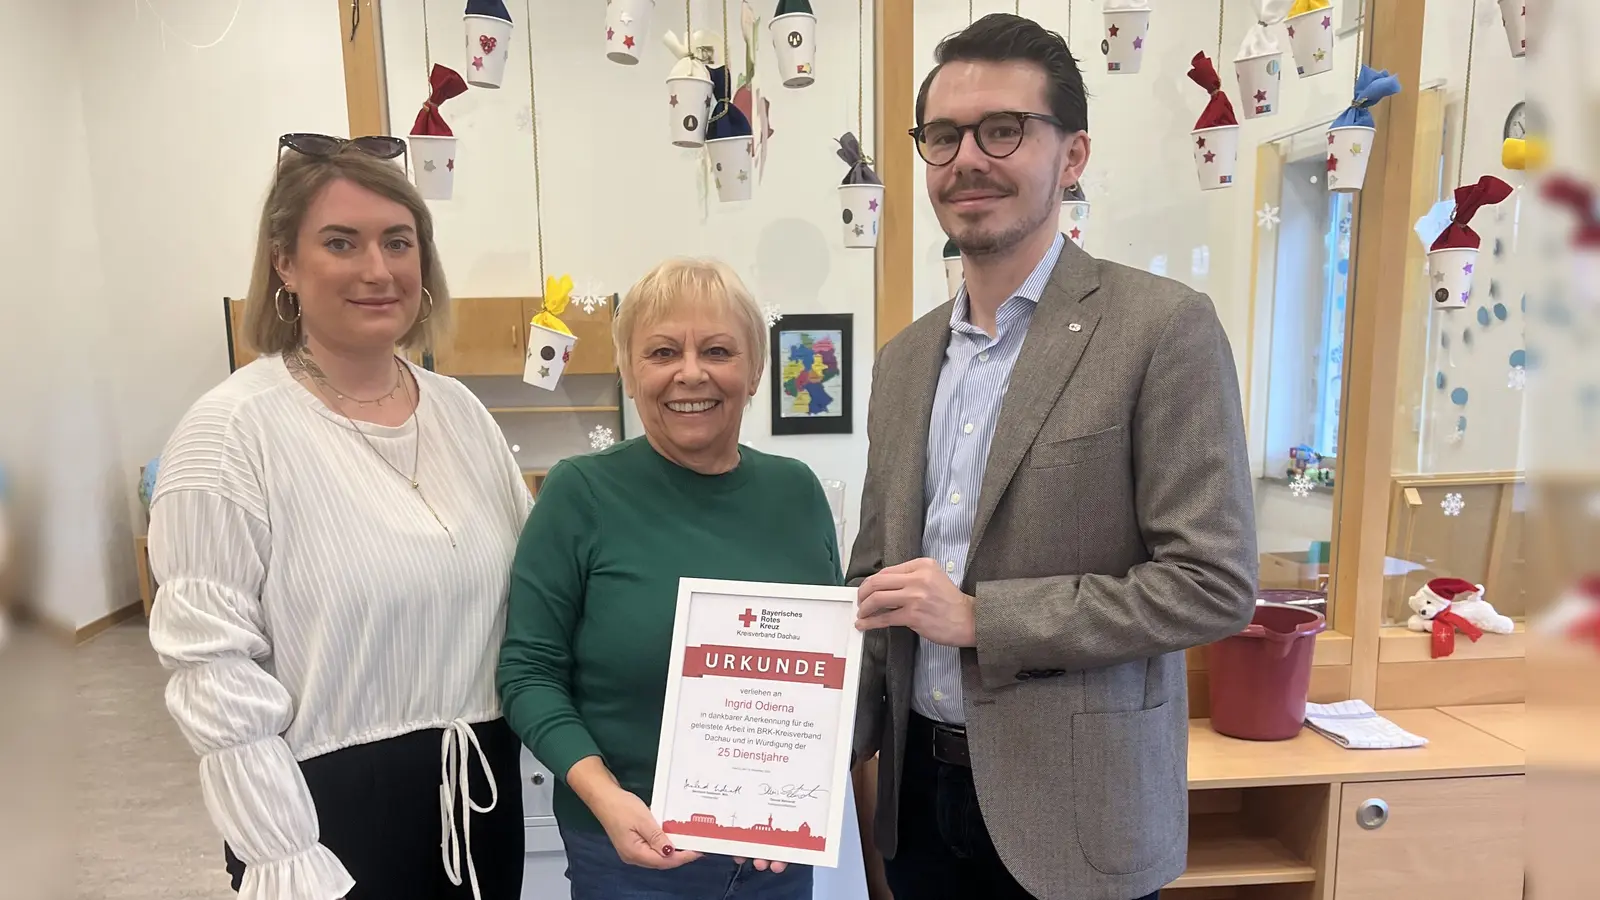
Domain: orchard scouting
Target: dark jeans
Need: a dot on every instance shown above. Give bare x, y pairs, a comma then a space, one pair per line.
944, 848
378, 811
596, 872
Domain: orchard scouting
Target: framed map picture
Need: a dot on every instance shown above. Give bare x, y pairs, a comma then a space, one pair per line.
811, 359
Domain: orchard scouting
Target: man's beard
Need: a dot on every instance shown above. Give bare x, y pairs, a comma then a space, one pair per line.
979, 242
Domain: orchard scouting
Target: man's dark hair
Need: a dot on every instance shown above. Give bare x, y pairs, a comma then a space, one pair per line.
1002, 37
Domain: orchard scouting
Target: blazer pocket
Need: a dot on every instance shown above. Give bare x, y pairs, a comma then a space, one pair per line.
1073, 450
1129, 788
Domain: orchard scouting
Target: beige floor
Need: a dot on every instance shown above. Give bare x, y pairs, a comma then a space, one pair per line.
139, 827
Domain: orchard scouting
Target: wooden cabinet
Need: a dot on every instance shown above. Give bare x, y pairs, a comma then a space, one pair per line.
1431, 839
593, 353
489, 338
240, 353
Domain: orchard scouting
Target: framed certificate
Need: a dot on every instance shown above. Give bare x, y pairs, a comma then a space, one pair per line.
760, 709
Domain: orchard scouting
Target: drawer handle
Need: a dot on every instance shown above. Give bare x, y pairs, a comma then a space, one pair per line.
1372, 814
537, 779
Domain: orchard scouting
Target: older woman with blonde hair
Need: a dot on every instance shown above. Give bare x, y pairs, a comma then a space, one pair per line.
332, 530
594, 587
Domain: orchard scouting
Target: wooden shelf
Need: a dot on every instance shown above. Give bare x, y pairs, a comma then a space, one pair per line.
1223, 851
1397, 644
553, 409
1454, 748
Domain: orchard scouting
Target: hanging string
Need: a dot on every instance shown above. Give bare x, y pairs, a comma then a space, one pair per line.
168, 29
969, 12
1361, 40
1016, 8
861, 77
721, 109
688, 25
1466, 97
1222, 8
1069, 23
533, 118
427, 52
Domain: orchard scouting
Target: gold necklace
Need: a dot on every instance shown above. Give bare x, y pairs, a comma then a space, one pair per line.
312, 369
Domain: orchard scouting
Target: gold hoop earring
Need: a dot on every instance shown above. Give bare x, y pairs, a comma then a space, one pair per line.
277, 306
429, 297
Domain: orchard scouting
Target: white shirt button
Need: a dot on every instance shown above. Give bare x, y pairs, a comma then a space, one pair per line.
967, 428
955, 497
938, 695
949, 565
983, 357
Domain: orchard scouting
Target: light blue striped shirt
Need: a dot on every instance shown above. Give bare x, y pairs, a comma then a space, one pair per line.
966, 407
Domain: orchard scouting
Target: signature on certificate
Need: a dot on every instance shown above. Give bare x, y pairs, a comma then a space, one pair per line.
792, 791
721, 790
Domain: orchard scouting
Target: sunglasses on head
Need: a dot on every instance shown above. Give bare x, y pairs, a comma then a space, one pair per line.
324, 145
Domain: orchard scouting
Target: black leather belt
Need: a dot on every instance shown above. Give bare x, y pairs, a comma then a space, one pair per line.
948, 742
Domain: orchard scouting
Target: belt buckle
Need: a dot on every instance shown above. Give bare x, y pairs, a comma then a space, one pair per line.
954, 739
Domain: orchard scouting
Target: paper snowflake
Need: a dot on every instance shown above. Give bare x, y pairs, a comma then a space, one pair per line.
773, 314
593, 297
1456, 437
525, 119
1267, 216
1301, 486
601, 437
1452, 504
1517, 378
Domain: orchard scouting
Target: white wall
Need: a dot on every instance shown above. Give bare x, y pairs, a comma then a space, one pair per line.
618, 198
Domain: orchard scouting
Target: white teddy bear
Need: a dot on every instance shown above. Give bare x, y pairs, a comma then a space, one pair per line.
1461, 597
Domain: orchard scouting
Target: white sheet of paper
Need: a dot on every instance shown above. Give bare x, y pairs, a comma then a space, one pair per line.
754, 758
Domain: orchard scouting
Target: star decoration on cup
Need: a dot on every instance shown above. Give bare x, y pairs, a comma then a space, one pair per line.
1327, 22
873, 204
625, 18
1267, 216
1319, 55
610, 33
1355, 149
429, 165
1333, 163
1261, 96
544, 371
628, 42
1210, 157
477, 62
1138, 43
1113, 31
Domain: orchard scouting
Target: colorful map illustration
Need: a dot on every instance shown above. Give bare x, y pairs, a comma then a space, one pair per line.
810, 373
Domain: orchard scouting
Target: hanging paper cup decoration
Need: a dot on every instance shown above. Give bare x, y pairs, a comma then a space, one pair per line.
688, 95
433, 144
1454, 252
627, 23
1127, 28
1585, 256
1311, 33
731, 141
1074, 214
550, 341
488, 42
1259, 64
1514, 13
953, 272
1215, 138
794, 37
1350, 136
860, 195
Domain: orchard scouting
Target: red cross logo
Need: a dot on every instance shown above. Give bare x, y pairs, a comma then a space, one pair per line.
746, 617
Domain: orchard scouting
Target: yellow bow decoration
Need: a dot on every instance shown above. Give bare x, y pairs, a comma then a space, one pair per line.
1520, 154
1305, 6
556, 293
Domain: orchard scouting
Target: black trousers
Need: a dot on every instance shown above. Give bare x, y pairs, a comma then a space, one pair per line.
944, 850
378, 811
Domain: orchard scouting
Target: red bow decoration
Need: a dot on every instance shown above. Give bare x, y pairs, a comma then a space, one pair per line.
1444, 632
1219, 110
1469, 198
444, 83
1578, 197
487, 43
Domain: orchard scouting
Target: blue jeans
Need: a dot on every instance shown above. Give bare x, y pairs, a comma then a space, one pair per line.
596, 872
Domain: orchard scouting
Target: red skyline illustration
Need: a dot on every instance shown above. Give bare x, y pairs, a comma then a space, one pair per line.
705, 825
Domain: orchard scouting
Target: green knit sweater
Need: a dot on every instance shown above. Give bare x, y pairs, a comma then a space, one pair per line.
594, 590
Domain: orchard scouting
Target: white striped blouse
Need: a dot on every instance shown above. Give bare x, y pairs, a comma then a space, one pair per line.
309, 599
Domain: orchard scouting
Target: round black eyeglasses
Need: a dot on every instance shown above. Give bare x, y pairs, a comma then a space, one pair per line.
998, 135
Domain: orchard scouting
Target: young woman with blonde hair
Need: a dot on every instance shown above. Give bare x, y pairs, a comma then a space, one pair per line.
332, 531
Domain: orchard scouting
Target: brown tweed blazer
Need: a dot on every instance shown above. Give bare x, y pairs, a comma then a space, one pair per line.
1115, 529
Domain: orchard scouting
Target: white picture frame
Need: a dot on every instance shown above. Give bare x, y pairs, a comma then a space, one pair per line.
758, 720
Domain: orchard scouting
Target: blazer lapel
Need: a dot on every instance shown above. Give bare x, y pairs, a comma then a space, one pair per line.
1062, 324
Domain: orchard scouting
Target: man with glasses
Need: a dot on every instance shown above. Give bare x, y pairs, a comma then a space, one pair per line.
1057, 505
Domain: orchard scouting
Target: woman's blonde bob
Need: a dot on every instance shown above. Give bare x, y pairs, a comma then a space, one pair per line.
680, 282
299, 179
